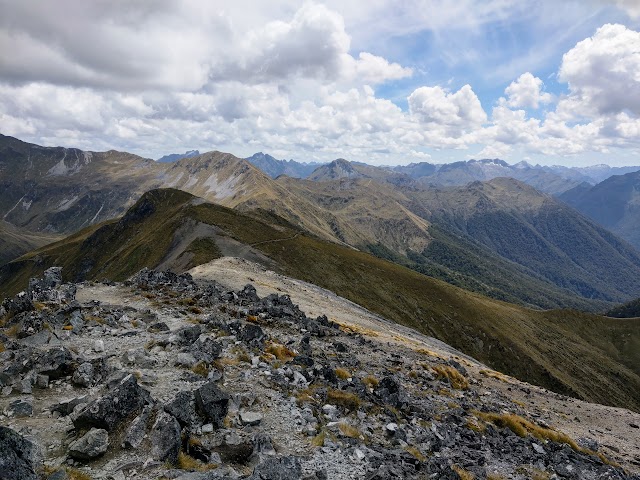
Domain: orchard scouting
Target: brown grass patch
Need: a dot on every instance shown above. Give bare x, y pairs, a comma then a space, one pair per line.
187, 462
281, 352
349, 430
201, 368
370, 381
455, 378
344, 399
416, 453
318, 440
462, 473
523, 427
342, 373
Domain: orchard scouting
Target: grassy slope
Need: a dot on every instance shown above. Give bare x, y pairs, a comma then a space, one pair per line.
15, 242
584, 355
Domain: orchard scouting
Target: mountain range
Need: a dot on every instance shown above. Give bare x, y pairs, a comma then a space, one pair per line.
613, 203
578, 354
501, 238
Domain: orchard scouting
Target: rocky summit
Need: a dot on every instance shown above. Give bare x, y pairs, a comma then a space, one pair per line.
162, 376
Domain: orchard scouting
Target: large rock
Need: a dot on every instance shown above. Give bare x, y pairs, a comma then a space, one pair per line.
109, 411
283, 468
18, 304
20, 459
212, 403
49, 288
183, 407
391, 392
91, 445
137, 430
165, 438
57, 362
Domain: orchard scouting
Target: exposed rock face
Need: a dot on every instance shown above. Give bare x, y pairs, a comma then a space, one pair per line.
20, 459
109, 411
267, 394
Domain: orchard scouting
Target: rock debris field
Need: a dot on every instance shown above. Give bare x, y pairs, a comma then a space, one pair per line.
166, 377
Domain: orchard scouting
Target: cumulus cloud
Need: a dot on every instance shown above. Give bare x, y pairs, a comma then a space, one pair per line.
526, 92
603, 71
436, 105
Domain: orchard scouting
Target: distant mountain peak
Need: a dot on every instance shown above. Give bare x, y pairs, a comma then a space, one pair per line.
174, 157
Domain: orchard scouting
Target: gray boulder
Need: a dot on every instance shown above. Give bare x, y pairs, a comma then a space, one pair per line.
165, 438
91, 445
83, 376
20, 459
212, 403
109, 411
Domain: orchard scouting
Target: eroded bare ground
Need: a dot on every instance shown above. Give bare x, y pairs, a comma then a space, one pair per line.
612, 427
302, 398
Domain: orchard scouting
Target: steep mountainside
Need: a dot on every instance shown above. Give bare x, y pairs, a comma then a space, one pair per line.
59, 190
613, 203
582, 355
539, 233
274, 167
15, 242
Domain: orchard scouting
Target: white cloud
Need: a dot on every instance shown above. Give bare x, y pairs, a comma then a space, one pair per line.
603, 71
526, 92
436, 105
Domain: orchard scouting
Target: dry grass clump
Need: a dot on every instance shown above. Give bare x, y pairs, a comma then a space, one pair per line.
523, 427
195, 310
494, 374
2, 347
12, 331
318, 440
359, 330
281, 352
201, 368
75, 474
370, 381
349, 430
533, 473
306, 396
342, 373
462, 473
416, 453
456, 379
344, 399
187, 462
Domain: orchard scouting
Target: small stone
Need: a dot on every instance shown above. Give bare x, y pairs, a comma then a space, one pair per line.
92, 445
391, 427
251, 418
83, 376
207, 428
21, 408
359, 454
98, 346
42, 381
538, 448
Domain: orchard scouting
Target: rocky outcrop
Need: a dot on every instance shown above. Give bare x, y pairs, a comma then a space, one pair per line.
238, 386
20, 459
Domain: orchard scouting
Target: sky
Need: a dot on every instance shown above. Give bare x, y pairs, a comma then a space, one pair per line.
377, 81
